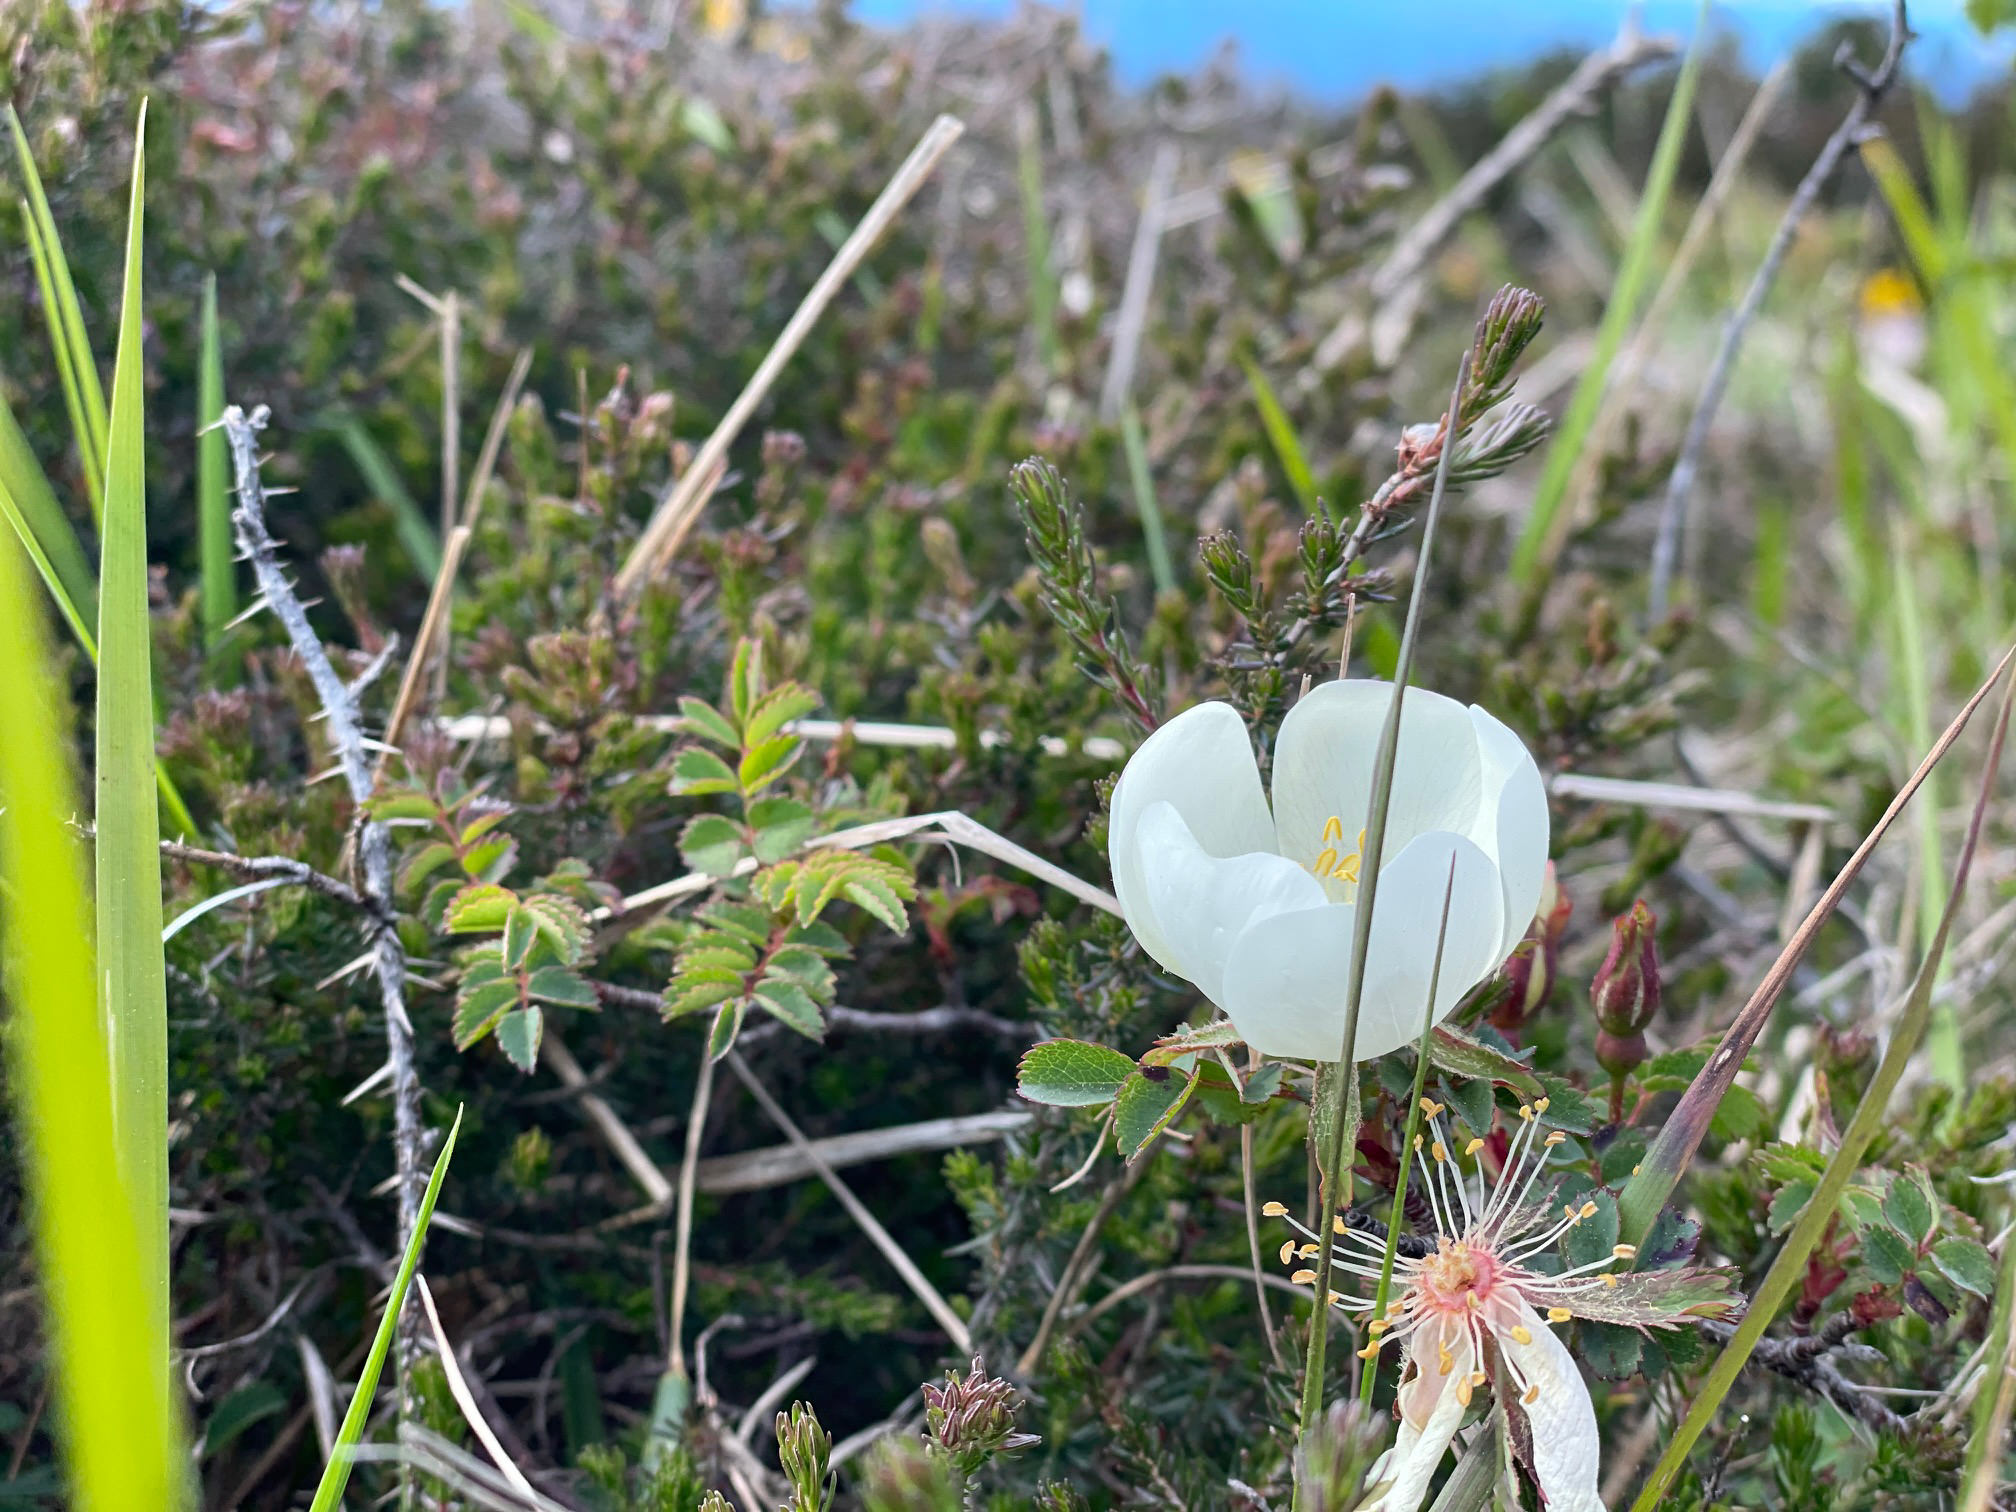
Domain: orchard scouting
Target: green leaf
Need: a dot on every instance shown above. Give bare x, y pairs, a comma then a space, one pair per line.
1281, 436
1911, 1206
699, 119
559, 985
132, 973
1740, 1115
240, 1410
1887, 1255
1659, 1298
776, 709
103, 1342
407, 805
1966, 1263
879, 898
424, 862
490, 860
480, 908
1064, 1073
1455, 1053
562, 924
789, 1003
1611, 1350
764, 763
1262, 1084
213, 479
1788, 1202
58, 594
336, 1474
481, 825
698, 717
744, 681
727, 1024
518, 1034
37, 517
519, 933
744, 920
781, 826
1595, 1235
712, 844
696, 773
1144, 1107
805, 966
695, 995
479, 1007
423, 550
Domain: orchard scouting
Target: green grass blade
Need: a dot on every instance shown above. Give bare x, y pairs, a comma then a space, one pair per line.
1788, 1269
131, 973
22, 479
1281, 435
1036, 239
79, 627
213, 479
336, 1474
1143, 484
112, 1386
66, 368
415, 534
1546, 526
1992, 1407
66, 315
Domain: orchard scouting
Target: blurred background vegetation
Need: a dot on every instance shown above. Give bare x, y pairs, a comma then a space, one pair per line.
641, 201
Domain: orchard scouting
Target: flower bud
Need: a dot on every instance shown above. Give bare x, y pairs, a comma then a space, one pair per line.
971, 1420
1626, 990
1535, 962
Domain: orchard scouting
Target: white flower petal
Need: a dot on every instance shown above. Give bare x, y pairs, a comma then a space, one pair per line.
1324, 757
1512, 821
1285, 981
1199, 905
1202, 762
1430, 1413
1565, 1445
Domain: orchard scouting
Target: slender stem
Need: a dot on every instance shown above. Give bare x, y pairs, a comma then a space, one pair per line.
1334, 1170
682, 1245
1253, 1230
1393, 1222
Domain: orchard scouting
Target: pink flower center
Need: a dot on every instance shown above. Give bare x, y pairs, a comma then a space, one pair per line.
1458, 1278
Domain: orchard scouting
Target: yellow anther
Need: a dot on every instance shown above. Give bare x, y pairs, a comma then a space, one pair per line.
1377, 1326
1287, 1250
1568, 1209
1333, 830
1558, 1315
1444, 1361
1304, 1277
1439, 1152
1470, 1301
1309, 1249
1325, 863
1478, 1378
1347, 869
1522, 1333
1336, 1298
1463, 1391
1636, 1169
1473, 1147
1338, 1225
1526, 1111
1369, 1350
1610, 1280
1274, 1209
1532, 1394
1625, 1251
1428, 1106
1417, 1141
1540, 1104
1557, 1137
1588, 1210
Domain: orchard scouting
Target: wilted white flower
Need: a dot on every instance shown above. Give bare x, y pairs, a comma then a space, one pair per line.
1255, 908
1476, 1303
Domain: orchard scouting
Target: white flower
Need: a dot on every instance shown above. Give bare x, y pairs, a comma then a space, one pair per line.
1473, 1305
1255, 908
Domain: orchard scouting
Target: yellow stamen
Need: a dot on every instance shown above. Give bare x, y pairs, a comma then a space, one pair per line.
1558, 1315
1303, 1277
1370, 1350
1309, 1249
1463, 1391
1339, 1225
1526, 1111
1610, 1280
1444, 1361
1325, 863
1473, 1147
1439, 1151
1625, 1251
1377, 1326
1540, 1105
1287, 1250
1636, 1169
1532, 1394
1333, 829
1274, 1209
1478, 1378
1557, 1137
1588, 1210
1522, 1333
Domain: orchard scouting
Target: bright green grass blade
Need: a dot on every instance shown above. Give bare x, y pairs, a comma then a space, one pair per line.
79, 627
415, 534
213, 479
65, 310
66, 369
1546, 526
22, 479
336, 1474
1822, 1208
131, 975
1036, 240
1143, 484
1281, 435
113, 1401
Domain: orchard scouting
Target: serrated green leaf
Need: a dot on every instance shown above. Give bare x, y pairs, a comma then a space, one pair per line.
698, 717
519, 933
823, 938
1455, 1053
479, 908
776, 709
1788, 1202
743, 680
697, 772
686, 996
789, 1003
557, 984
805, 966
727, 1025
763, 764
1610, 1350
1658, 1298
1188, 1041
562, 924
1966, 1263
1144, 1107
743, 920
1220, 1099
408, 805
1789, 1162
1064, 1073
482, 824
781, 826
1263, 1084
878, 898
712, 843
424, 862
1594, 1237
1886, 1255
1911, 1206
478, 1009
518, 1035
491, 860
1740, 1115
717, 952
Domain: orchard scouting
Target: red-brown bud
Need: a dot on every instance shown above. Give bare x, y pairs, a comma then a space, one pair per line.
1626, 989
1530, 971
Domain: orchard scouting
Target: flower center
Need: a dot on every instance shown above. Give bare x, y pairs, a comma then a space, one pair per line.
1332, 866
1458, 1278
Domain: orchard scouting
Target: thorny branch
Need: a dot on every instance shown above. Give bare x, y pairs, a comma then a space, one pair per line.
1812, 1362
264, 868
1871, 87
346, 735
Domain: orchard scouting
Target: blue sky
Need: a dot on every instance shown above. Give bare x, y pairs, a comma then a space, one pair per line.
1336, 49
